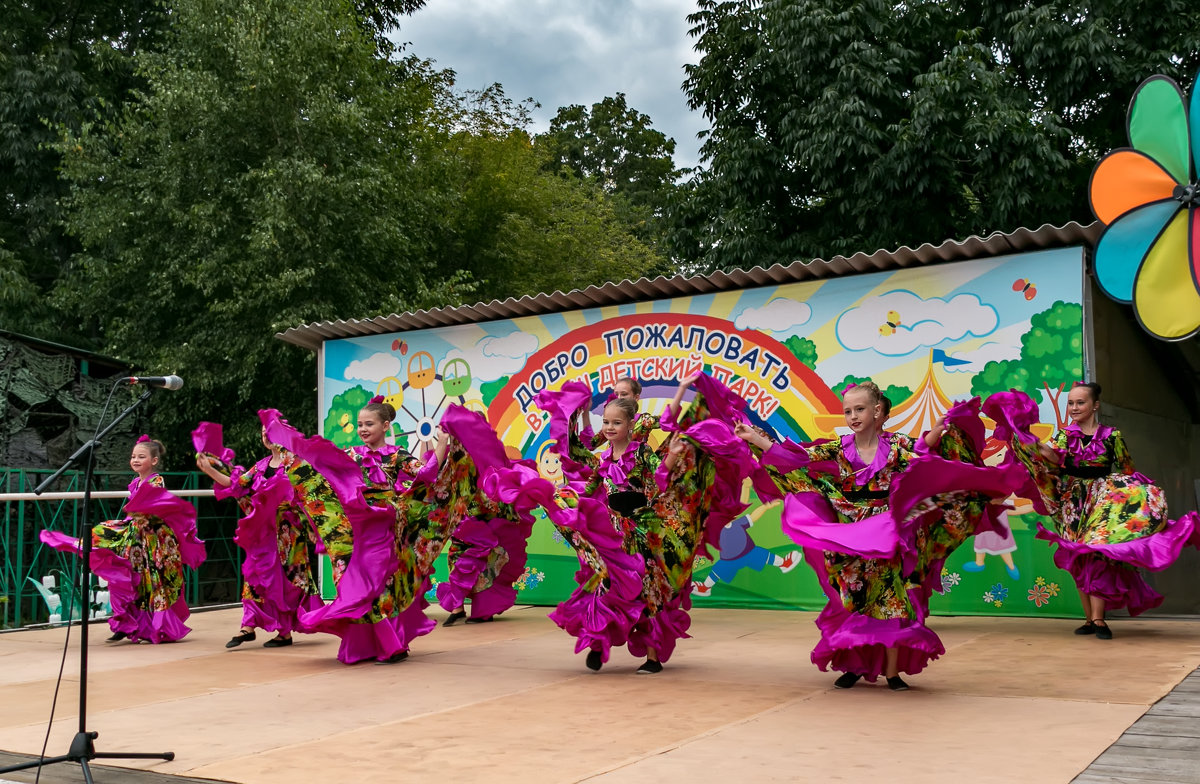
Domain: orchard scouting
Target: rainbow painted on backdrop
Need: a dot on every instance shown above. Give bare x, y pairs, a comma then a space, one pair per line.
804, 405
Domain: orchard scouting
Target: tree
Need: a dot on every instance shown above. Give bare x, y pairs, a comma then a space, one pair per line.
846, 125
1051, 359
60, 65
515, 226
269, 175
616, 148
341, 423
276, 170
803, 349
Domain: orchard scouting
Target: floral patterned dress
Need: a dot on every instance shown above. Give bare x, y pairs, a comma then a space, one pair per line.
878, 533
381, 531
1110, 521
636, 559
280, 569
142, 557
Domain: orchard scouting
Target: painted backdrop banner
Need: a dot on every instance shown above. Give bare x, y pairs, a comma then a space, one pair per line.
928, 336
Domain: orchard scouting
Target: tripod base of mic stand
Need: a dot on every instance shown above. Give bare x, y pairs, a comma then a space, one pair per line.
83, 751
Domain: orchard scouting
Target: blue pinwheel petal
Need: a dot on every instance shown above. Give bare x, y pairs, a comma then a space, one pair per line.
1194, 127
1125, 243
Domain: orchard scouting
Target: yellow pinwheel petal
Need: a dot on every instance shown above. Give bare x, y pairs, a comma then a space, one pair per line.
1164, 294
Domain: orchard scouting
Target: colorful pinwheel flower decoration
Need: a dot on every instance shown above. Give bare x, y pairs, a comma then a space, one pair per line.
1147, 196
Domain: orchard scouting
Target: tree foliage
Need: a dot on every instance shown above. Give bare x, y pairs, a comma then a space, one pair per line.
268, 176
1051, 359
616, 147
60, 64
845, 125
515, 226
803, 349
273, 169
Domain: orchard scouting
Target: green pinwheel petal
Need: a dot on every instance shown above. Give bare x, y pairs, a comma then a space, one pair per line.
1158, 125
1125, 243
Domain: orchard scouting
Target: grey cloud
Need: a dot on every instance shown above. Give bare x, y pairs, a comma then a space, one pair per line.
563, 52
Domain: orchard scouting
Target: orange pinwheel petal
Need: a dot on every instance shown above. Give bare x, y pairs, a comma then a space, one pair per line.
1126, 179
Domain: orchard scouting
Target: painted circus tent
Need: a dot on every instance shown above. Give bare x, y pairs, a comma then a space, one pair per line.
928, 335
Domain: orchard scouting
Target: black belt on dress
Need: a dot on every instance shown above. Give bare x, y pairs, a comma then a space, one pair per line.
1087, 472
863, 494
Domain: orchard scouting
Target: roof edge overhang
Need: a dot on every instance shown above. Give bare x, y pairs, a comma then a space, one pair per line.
311, 336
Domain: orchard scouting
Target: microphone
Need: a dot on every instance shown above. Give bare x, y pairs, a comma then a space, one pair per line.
166, 382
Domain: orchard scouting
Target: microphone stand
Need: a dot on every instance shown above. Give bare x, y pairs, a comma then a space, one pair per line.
82, 749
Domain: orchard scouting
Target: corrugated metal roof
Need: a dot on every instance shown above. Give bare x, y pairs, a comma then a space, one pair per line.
311, 336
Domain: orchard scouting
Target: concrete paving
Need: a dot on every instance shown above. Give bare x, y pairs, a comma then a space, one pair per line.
1013, 699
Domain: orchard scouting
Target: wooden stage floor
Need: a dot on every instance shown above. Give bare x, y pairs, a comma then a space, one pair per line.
1013, 699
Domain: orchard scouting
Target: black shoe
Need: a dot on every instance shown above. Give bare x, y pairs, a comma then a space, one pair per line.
484, 619
595, 660
897, 684
117, 637
1087, 628
394, 658
278, 642
455, 617
238, 639
1103, 631
846, 680
651, 667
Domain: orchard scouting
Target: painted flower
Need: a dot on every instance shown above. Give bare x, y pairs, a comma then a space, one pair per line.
999, 592
1039, 594
988, 598
1147, 195
530, 578
950, 580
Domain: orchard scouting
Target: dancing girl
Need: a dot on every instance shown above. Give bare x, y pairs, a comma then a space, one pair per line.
280, 569
142, 555
1109, 520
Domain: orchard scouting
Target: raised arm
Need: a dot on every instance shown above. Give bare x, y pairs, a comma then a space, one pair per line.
208, 467
752, 435
676, 404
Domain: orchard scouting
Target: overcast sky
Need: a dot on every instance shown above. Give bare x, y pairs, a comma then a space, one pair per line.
563, 52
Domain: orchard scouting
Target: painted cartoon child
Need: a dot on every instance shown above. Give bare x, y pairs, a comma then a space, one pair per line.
550, 464
993, 543
738, 551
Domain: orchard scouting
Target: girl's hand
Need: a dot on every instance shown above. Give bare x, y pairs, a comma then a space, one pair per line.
751, 435
441, 445
1049, 453
934, 436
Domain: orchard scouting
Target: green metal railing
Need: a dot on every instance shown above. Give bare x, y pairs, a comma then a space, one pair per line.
217, 581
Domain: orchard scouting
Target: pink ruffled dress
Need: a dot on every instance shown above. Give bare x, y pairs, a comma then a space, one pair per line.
142, 557
1110, 521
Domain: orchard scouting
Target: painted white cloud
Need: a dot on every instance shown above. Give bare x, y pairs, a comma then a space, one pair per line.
374, 368
493, 357
779, 315
922, 322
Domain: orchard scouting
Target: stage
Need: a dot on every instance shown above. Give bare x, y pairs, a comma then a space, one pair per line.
1013, 699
